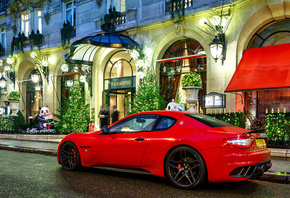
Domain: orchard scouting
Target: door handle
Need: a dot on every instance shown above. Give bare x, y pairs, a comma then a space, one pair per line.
139, 139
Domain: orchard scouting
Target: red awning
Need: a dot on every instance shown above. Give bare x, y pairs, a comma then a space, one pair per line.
262, 68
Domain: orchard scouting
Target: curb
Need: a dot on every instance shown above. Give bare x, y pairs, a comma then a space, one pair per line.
274, 176
28, 150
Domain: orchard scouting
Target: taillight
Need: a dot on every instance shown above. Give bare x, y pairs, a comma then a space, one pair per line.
241, 142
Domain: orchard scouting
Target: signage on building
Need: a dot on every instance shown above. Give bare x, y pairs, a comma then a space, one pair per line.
214, 100
123, 83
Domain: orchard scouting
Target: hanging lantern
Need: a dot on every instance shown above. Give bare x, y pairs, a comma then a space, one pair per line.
3, 82
35, 77
216, 48
69, 83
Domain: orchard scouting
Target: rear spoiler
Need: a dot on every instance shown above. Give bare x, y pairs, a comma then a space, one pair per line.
256, 131
261, 131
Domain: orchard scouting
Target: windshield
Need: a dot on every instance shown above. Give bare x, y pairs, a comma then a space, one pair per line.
209, 121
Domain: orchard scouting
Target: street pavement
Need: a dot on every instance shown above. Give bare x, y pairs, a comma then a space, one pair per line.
48, 144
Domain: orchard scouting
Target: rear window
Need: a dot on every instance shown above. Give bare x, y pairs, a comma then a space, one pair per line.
209, 121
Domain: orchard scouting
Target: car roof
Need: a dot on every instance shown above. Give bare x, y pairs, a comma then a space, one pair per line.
163, 112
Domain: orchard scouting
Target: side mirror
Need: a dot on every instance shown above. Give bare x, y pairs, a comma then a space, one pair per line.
105, 129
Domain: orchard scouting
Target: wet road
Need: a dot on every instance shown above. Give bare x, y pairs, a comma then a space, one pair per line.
35, 175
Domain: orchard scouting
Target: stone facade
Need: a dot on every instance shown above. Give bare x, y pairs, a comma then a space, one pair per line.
145, 20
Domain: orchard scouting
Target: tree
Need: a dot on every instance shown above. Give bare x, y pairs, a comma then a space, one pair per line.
148, 96
74, 115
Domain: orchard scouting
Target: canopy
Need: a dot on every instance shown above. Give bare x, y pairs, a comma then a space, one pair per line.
262, 68
82, 51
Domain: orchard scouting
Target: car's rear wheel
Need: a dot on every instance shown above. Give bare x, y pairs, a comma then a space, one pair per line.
185, 168
69, 156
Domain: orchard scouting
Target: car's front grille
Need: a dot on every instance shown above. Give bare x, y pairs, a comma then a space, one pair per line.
249, 171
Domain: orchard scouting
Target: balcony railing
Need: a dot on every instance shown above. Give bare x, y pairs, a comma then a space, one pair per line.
121, 19
177, 5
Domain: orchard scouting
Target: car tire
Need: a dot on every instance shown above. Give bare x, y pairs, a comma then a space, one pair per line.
69, 156
185, 168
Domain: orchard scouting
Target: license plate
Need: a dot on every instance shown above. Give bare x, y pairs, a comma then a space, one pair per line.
260, 142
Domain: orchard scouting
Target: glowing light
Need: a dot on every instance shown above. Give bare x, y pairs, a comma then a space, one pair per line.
64, 67
33, 55
9, 61
202, 21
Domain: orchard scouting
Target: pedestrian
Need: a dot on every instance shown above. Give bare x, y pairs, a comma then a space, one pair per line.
115, 114
104, 116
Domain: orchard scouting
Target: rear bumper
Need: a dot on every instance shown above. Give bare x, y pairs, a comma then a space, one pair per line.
252, 170
226, 164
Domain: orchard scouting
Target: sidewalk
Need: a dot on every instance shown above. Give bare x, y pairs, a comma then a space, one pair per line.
48, 144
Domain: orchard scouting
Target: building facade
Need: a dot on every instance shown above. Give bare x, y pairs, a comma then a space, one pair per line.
170, 29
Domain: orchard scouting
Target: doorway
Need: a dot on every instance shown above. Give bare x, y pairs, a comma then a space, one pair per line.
122, 99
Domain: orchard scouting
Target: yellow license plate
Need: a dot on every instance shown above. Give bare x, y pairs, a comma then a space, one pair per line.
260, 142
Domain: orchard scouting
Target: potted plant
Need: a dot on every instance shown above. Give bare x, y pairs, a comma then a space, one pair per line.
191, 83
14, 99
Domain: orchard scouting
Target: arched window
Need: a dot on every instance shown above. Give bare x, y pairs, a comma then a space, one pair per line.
171, 73
274, 33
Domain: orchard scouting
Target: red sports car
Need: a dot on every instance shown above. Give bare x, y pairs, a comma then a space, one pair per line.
188, 149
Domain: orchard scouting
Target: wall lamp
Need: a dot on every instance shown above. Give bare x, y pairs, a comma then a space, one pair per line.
217, 26
42, 62
8, 69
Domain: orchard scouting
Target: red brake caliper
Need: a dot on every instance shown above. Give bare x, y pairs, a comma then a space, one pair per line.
74, 155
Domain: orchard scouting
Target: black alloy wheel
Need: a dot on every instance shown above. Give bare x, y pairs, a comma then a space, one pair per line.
69, 156
185, 168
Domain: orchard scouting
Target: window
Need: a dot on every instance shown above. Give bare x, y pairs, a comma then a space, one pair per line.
209, 121
70, 12
165, 123
120, 5
135, 124
38, 21
25, 22
3, 37
31, 21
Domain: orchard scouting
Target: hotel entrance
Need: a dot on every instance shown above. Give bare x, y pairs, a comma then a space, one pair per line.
120, 82
122, 99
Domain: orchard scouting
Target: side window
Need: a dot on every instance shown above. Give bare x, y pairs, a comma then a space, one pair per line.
135, 124
165, 123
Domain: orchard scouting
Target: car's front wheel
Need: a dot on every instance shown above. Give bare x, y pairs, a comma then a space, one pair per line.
69, 156
185, 168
